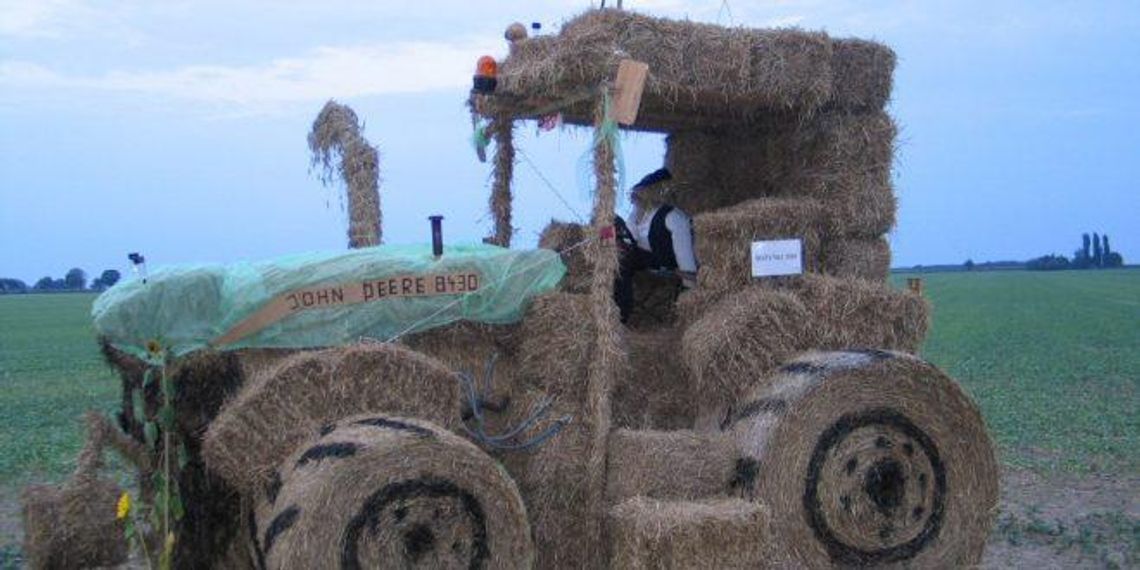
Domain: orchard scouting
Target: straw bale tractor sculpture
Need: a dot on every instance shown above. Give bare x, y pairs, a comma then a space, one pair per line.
749, 422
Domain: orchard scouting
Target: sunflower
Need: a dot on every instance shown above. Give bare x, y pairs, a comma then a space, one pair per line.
124, 508
154, 348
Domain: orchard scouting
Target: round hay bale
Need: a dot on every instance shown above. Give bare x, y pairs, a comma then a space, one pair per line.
385, 492
74, 525
867, 458
292, 402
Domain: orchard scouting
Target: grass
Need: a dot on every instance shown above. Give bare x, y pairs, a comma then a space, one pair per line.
50, 373
1053, 359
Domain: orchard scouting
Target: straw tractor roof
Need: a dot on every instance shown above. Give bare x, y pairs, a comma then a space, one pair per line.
700, 75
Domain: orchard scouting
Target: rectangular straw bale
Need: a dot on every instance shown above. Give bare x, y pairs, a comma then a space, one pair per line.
861, 205
853, 313
555, 349
857, 258
818, 152
554, 343
842, 159
695, 69
679, 464
657, 392
740, 339
690, 156
717, 533
863, 72
566, 238
723, 238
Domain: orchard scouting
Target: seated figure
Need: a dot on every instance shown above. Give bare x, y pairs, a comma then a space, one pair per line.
658, 237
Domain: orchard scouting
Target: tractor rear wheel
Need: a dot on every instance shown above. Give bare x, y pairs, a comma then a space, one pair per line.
868, 458
375, 491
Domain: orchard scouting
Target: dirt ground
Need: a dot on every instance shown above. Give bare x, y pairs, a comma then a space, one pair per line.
1062, 521
1066, 521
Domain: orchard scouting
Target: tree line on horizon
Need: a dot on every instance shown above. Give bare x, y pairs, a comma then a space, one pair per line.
74, 280
1094, 253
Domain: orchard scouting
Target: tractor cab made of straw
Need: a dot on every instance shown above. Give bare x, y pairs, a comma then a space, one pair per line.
753, 421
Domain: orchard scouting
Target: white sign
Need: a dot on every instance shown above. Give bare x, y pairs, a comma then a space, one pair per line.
777, 257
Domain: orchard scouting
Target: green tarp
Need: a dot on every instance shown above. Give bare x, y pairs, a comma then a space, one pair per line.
322, 299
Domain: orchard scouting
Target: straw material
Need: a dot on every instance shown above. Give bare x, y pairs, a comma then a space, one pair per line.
742, 337
656, 392
566, 238
281, 407
698, 69
336, 132
690, 157
747, 334
557, 341
377, 491
724, 237
863, 74
680, 464
74, 525
718, 533
500, 203
868, 458
855, 258
701, 75
692, 304
841, 159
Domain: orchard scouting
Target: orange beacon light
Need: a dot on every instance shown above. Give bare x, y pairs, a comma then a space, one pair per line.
486, 70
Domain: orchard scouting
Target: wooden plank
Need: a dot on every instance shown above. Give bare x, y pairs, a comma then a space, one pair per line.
629, 85
366, 291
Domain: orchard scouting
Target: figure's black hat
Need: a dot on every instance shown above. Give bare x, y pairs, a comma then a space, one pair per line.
659, 175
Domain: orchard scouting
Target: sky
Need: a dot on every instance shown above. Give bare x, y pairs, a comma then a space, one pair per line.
177, 128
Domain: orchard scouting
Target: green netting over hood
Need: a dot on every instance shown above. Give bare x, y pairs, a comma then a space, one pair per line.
322, 299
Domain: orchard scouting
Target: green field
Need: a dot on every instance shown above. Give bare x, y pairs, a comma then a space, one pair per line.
50, 373
1052, 358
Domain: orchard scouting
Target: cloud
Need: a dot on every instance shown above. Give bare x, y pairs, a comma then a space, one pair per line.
331, 71
42, 19
59, 19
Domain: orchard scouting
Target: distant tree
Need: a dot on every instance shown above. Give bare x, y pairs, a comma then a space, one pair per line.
106, 280
1113, 259
76, 279
44, 284
1047, 263
8, 285
969, 265
1096, 254
1087, 246
1104, 250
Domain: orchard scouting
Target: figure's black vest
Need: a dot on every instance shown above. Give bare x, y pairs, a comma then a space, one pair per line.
661, 240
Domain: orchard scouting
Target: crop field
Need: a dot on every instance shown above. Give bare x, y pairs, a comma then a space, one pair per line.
1053, 359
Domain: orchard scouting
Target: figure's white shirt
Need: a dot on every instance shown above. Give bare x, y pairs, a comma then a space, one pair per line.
679, 225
